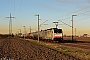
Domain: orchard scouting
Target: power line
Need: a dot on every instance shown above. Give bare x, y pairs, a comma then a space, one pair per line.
70, 13
19, 7
84, 15
14, 7
1, 11
65, 23
43, 22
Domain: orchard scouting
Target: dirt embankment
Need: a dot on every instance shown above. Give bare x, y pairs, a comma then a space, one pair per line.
15, 49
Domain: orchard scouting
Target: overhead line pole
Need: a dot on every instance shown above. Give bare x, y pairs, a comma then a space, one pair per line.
69, 25
75, 33
24, 31
72, 26
30, 29
38, 26
19, 32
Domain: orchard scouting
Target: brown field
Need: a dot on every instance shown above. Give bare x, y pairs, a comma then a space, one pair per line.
83, 39
18, 49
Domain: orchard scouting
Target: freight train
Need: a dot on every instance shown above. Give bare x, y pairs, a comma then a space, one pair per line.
53, 34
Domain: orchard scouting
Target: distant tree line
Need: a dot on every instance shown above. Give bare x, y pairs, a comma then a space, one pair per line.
6, 35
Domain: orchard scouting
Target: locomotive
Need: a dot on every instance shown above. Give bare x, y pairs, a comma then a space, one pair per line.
53, 34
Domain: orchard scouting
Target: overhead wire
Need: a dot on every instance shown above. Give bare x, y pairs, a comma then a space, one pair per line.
20, 7
57, 17
14, 7
79, 12
1, 11
70, 14
83, 15
18, 11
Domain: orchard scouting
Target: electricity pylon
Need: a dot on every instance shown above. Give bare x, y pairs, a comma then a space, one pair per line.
10, 24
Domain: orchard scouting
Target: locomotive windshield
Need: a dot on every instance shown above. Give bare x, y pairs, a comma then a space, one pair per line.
57, 30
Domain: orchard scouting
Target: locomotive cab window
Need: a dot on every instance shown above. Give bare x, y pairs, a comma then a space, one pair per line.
57, 30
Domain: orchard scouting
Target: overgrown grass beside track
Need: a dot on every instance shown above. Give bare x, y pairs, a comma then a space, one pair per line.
79, 54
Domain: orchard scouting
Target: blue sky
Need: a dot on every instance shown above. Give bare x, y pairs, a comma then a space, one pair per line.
51, 10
